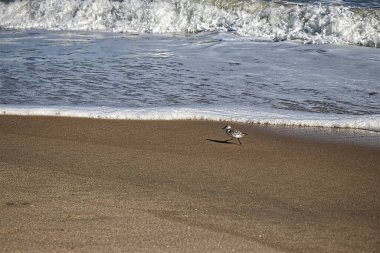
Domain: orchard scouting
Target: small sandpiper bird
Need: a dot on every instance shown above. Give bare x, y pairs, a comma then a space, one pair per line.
233, 133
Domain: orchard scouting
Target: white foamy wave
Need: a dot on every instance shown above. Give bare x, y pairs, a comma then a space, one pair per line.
241, 114
309, 23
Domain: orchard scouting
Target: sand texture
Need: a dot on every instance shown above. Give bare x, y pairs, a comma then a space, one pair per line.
87, 185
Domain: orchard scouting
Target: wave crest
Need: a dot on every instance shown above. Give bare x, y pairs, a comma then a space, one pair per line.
309, 23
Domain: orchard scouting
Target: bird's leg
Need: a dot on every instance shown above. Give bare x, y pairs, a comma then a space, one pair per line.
239, 141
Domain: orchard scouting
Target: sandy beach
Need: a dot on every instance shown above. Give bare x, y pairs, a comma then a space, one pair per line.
90, 185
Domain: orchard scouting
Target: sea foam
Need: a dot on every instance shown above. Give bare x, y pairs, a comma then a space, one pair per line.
309, 23
236, 114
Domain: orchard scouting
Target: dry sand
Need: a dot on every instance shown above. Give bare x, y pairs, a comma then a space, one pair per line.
86, 185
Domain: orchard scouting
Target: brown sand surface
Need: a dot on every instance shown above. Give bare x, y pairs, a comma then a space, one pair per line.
86, 185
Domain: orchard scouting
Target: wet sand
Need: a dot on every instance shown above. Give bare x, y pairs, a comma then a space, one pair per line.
87, 185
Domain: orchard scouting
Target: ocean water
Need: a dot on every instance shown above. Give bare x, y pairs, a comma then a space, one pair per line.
303, 63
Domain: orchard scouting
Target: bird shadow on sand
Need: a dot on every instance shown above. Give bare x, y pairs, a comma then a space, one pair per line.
219, 141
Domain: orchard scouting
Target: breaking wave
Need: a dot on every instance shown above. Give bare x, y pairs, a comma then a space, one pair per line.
309, 23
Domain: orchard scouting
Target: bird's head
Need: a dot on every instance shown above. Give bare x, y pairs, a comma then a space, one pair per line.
227, 127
